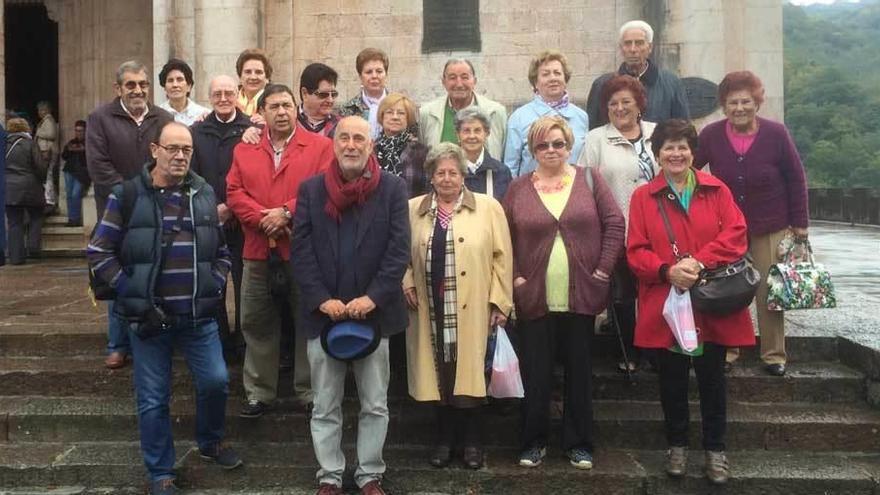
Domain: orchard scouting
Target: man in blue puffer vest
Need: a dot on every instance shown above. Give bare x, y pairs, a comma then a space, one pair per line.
167, 260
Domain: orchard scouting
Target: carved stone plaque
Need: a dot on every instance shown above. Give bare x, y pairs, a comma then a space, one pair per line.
702, 96
451, 25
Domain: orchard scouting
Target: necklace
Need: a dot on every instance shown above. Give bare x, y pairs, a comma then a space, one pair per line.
552, 187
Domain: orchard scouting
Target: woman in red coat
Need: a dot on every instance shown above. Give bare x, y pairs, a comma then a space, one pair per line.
710, 231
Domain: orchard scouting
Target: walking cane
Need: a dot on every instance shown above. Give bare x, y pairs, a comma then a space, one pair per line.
612, 313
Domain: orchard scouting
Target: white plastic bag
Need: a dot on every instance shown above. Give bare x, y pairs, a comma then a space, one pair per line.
506, 381
679, 314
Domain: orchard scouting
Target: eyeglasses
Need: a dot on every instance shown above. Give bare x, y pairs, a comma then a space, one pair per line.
556, 145
173, 149
326, 94
217, 95
130, 85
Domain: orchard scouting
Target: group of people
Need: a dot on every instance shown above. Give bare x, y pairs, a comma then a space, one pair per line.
440, 224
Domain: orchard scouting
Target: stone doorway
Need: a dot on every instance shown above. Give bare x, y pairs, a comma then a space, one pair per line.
31, 52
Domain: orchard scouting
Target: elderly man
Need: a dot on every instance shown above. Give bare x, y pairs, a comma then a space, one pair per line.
172, 230
214, 138
666, 95
261, 191
350, 251
177, 79
437, 117
117, 147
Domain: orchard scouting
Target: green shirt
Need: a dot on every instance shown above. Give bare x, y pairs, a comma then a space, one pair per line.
448, 135
557, 266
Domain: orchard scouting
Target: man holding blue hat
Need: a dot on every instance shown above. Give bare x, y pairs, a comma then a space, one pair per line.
349, 252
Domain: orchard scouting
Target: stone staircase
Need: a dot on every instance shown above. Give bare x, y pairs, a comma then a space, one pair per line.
68, 426
61, 241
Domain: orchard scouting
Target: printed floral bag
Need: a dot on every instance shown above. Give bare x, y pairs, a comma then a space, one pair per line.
799, 285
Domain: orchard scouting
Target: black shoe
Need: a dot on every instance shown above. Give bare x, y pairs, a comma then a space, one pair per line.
441, 457
254, 409
223, 455
472, 457
775, 369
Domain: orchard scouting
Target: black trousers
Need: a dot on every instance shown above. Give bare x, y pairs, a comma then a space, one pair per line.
459, 427
712, 383
538, 341
25, 232
230, 332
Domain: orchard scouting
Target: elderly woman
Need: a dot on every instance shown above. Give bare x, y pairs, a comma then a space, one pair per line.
709, 231
372, 69
549, 74
621, 152
485, 174
46, 138
25, 173
756, 158
254, 72
461, 258
567, 234
397, 148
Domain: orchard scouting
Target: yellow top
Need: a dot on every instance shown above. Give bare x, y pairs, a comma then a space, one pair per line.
557, 266
248, 106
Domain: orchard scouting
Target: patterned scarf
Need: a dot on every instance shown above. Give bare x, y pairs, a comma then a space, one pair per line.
687, 193
389, 148
341, 195
557, 105
449, 325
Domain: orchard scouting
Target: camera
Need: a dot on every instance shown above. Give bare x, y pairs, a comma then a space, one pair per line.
154, 322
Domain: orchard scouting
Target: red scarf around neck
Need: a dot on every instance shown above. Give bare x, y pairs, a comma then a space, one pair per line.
341, 195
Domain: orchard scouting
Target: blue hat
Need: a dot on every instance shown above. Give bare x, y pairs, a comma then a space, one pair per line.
349, 340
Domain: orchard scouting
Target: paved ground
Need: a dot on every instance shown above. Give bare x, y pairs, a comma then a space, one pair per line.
50, 296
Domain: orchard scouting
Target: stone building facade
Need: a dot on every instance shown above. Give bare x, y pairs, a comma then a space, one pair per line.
703, 38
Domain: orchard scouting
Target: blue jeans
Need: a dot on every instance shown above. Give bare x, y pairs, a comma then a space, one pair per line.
117, 331
74, 197
200, 344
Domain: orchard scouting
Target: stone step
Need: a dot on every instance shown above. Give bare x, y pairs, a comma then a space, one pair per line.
62, 237
747, 382
290, 468
618, 424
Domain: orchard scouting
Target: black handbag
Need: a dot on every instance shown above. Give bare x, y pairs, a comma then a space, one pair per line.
722, 290
279, 278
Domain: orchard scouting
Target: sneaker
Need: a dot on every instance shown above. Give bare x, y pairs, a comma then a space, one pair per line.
676, 461
223, 455
163, 487
717, 467
532, 457
254, 409
580, 458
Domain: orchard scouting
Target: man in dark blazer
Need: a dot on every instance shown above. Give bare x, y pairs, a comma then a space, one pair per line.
349, 253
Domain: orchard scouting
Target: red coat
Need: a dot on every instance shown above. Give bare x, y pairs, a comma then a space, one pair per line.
253, 184
713, 231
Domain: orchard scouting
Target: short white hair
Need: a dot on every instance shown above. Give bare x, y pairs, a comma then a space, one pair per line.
644, 26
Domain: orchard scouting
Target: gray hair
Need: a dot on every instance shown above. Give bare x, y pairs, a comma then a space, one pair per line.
470, 113
442, 151
459, 61
130, 66
644, 26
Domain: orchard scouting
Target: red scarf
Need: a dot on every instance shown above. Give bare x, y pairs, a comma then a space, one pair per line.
341, 195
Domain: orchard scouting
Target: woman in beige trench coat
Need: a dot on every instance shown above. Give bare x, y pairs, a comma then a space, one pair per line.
458, 286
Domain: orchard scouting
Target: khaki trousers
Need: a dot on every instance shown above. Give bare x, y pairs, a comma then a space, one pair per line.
771, 324
261, 328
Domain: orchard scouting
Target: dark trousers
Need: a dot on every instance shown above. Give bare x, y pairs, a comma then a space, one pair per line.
709, 368
459, 427
538, 341
230, 333
25, 231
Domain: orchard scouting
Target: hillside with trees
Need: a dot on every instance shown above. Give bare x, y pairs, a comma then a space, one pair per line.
832, 91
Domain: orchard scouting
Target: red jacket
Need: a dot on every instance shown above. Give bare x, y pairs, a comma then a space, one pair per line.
713, 231
253, 184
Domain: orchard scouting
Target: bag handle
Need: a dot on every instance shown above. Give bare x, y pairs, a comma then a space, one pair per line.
13, 146
668, 226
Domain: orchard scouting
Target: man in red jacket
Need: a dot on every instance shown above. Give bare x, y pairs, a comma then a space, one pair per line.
261, 190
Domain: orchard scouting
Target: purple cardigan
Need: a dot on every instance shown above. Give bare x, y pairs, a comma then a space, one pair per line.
768, 182
592, 232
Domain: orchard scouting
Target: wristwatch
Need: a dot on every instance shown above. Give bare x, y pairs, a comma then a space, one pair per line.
286, 212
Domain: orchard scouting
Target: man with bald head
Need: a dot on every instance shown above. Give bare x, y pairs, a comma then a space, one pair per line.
350, 250
214, 138
167, 261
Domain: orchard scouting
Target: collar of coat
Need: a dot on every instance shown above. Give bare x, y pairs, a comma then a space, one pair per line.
648, 78
151, 112
467, 201
613, 135
658, 184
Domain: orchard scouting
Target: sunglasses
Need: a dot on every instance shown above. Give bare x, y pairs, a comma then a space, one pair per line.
326, 94
556, 145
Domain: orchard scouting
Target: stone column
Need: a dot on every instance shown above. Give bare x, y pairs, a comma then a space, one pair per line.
161, 44
222, 31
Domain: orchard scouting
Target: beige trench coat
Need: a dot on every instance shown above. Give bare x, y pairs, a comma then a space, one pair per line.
484, 266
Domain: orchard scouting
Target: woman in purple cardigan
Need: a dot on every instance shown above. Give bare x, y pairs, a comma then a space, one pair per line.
756, 158
567, 234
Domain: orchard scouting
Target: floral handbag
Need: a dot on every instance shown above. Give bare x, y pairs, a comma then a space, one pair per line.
799, 284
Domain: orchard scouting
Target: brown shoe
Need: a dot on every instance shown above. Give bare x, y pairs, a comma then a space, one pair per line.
676, 461
329, 489
115, 360
372, 488
472, 457
717, 468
